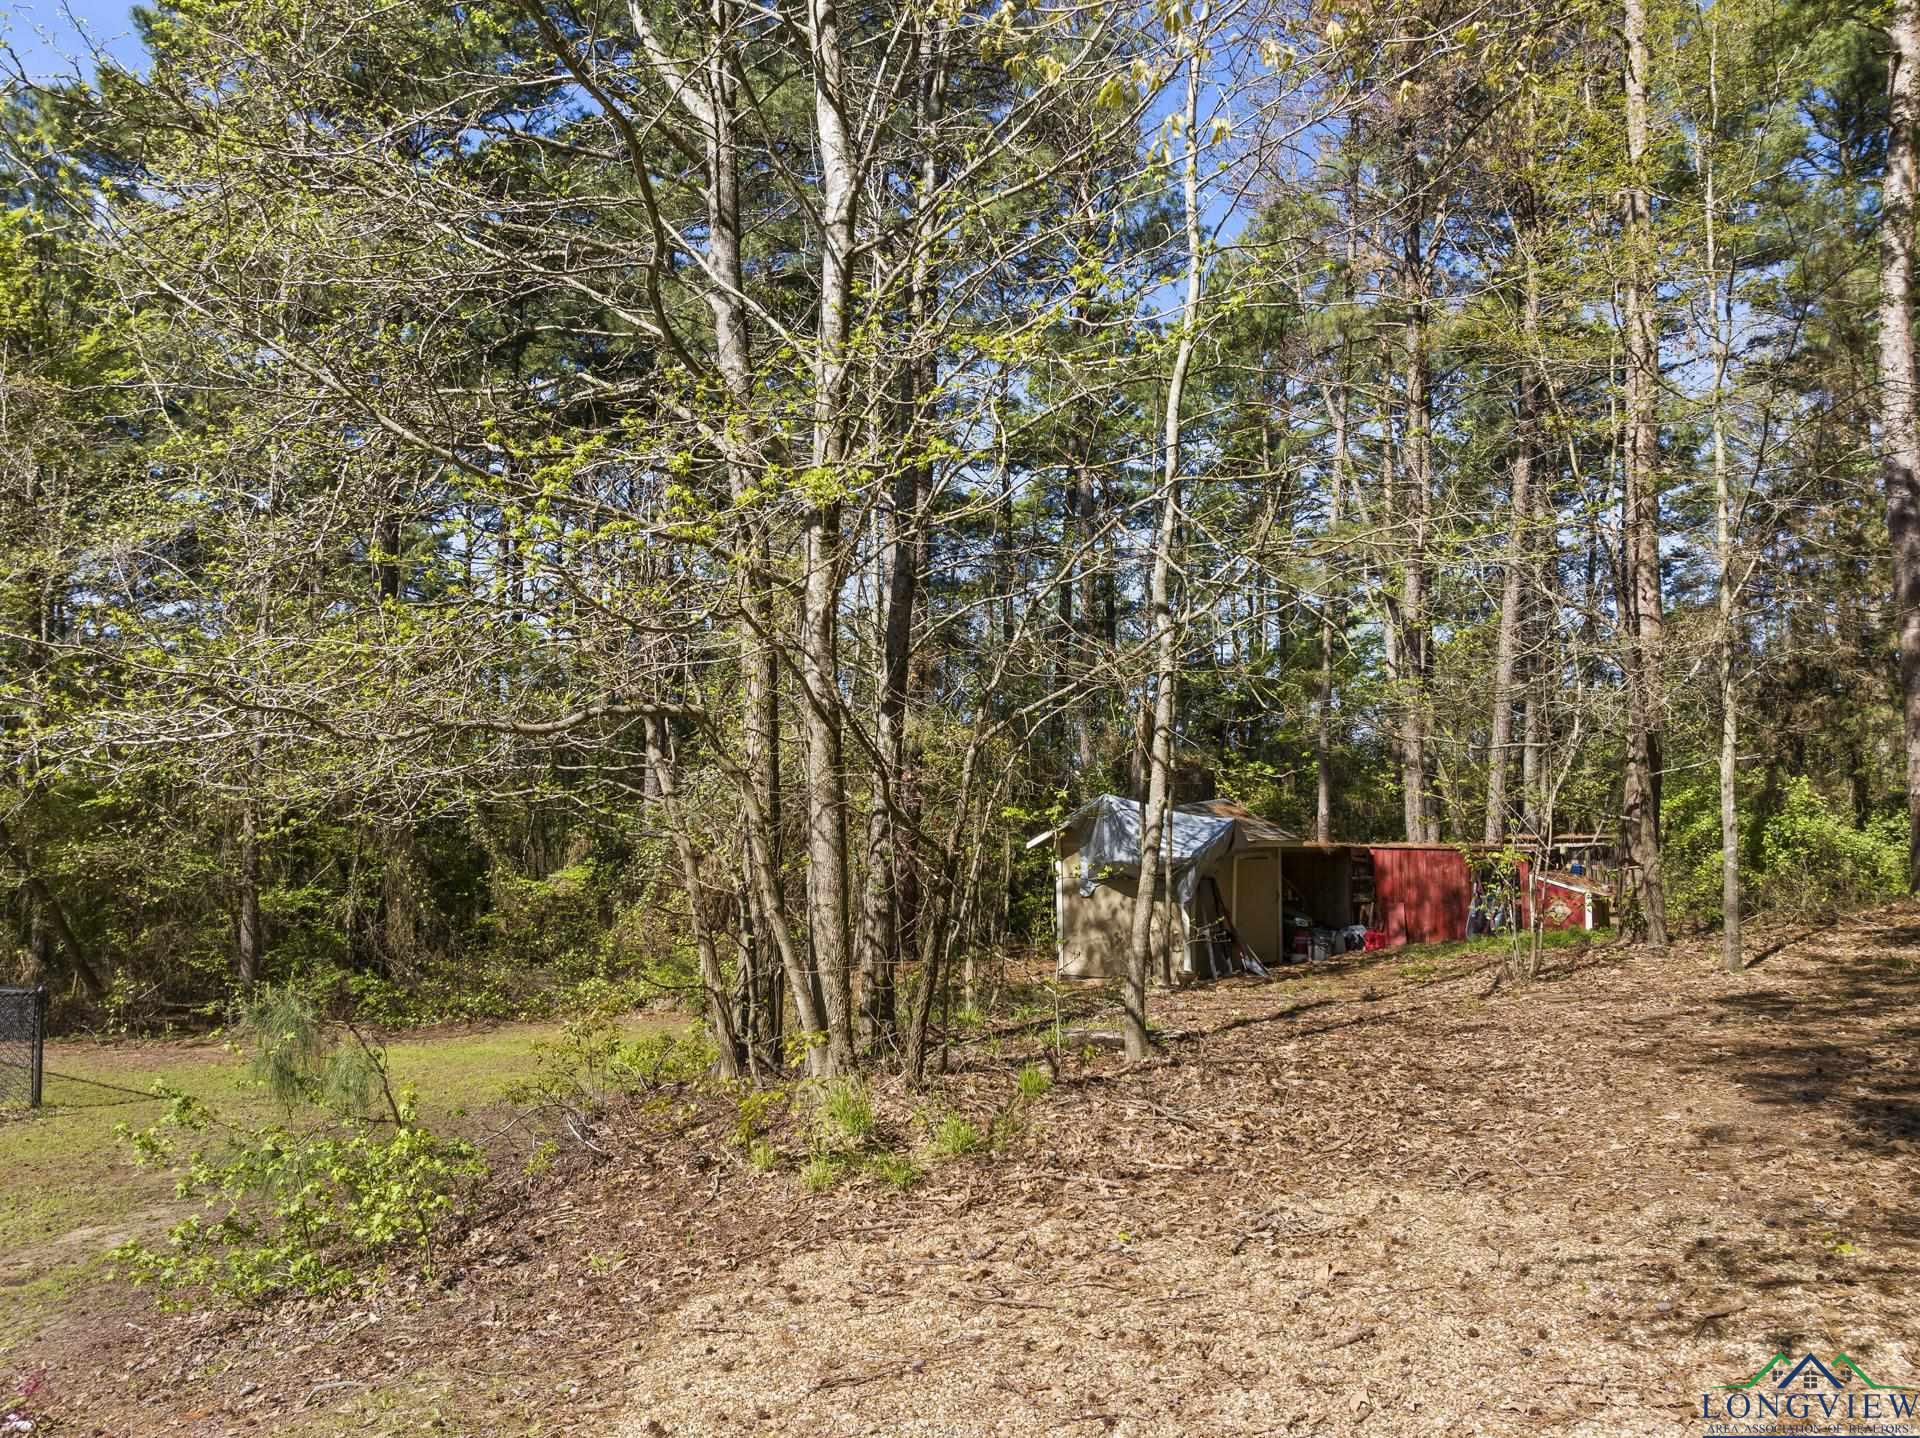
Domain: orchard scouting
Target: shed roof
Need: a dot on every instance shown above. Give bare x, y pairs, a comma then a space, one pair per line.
1254, 831
1249, 830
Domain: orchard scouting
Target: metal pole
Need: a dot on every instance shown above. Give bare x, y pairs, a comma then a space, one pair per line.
39, 1046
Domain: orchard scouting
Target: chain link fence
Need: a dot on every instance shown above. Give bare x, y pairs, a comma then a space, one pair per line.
23, 1034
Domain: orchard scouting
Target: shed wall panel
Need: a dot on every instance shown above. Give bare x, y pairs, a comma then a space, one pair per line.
1423, 894
1096, 929
1256, 903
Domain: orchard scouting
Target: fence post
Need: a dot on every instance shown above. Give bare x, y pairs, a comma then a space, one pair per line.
39, 1046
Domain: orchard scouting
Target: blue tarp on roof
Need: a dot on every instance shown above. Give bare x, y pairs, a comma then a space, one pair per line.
1113, 825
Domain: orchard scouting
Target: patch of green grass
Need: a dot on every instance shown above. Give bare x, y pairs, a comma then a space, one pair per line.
68, 1191
895, 1170
821, 1172
1033, 1081
846, 1113
764, 1157
1428, 958
954, 1136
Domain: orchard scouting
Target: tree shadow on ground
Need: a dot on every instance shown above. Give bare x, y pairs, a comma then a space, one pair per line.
1805, 1250
1248, 1021
1826, 1057
1778, 945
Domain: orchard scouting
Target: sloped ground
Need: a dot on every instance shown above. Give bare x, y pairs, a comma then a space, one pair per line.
1446, 1207
1373, 1198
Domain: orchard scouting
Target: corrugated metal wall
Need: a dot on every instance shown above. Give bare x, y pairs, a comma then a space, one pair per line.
1423, 894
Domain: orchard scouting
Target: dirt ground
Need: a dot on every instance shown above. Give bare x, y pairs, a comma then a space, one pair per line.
1377, 1197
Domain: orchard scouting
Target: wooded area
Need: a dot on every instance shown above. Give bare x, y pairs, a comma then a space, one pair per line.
526, 495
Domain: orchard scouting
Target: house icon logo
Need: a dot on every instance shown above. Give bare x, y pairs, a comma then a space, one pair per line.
1808, 1374
1822, 1398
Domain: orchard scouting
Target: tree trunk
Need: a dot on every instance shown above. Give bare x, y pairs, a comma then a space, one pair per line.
711, 98
1329, 629
48, 909
1154, 816
1730, 939
719, 1005
386, 569
1085, 660
249, 934
827, 878
759, 663
1330, 617
1899, 423
881, 915
1722, 339
1646, 638
1416, 765
1512, 596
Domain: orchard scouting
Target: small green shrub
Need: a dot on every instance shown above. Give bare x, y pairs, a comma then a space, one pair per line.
1800, 853
541, 1159
294, 1212
845, 1114
534, 921
895, 1170
657, 1060
303, 1207
1034, 1081
592, 1061
477, 988
821, 1172
300, 1059
954, 1136
754, 1110
604, 997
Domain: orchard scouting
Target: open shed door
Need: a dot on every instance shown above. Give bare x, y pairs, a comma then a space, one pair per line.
1256, 903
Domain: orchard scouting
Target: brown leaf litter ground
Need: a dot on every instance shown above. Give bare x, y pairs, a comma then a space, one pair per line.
1376, 1197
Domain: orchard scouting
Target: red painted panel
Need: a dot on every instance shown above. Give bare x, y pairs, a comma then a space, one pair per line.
1423, 894
1560, 908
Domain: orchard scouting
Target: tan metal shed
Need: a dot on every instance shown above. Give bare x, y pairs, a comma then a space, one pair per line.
1225, 862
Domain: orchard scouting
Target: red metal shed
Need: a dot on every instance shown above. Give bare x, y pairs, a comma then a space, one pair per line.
1422, 892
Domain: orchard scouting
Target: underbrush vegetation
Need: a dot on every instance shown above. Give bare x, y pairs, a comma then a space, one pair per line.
592, 1062
344, 1187
1800, 854
847, 1139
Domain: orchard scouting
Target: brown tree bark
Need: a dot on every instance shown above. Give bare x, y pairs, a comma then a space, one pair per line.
1513, 593
719, 1005
1645, 639
1331, 621
1416, 631
880, 931
710, 98
1732, 956
249, 931
1899, 422
1330, 627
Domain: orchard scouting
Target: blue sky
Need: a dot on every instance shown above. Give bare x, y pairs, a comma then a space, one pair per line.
49, 36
